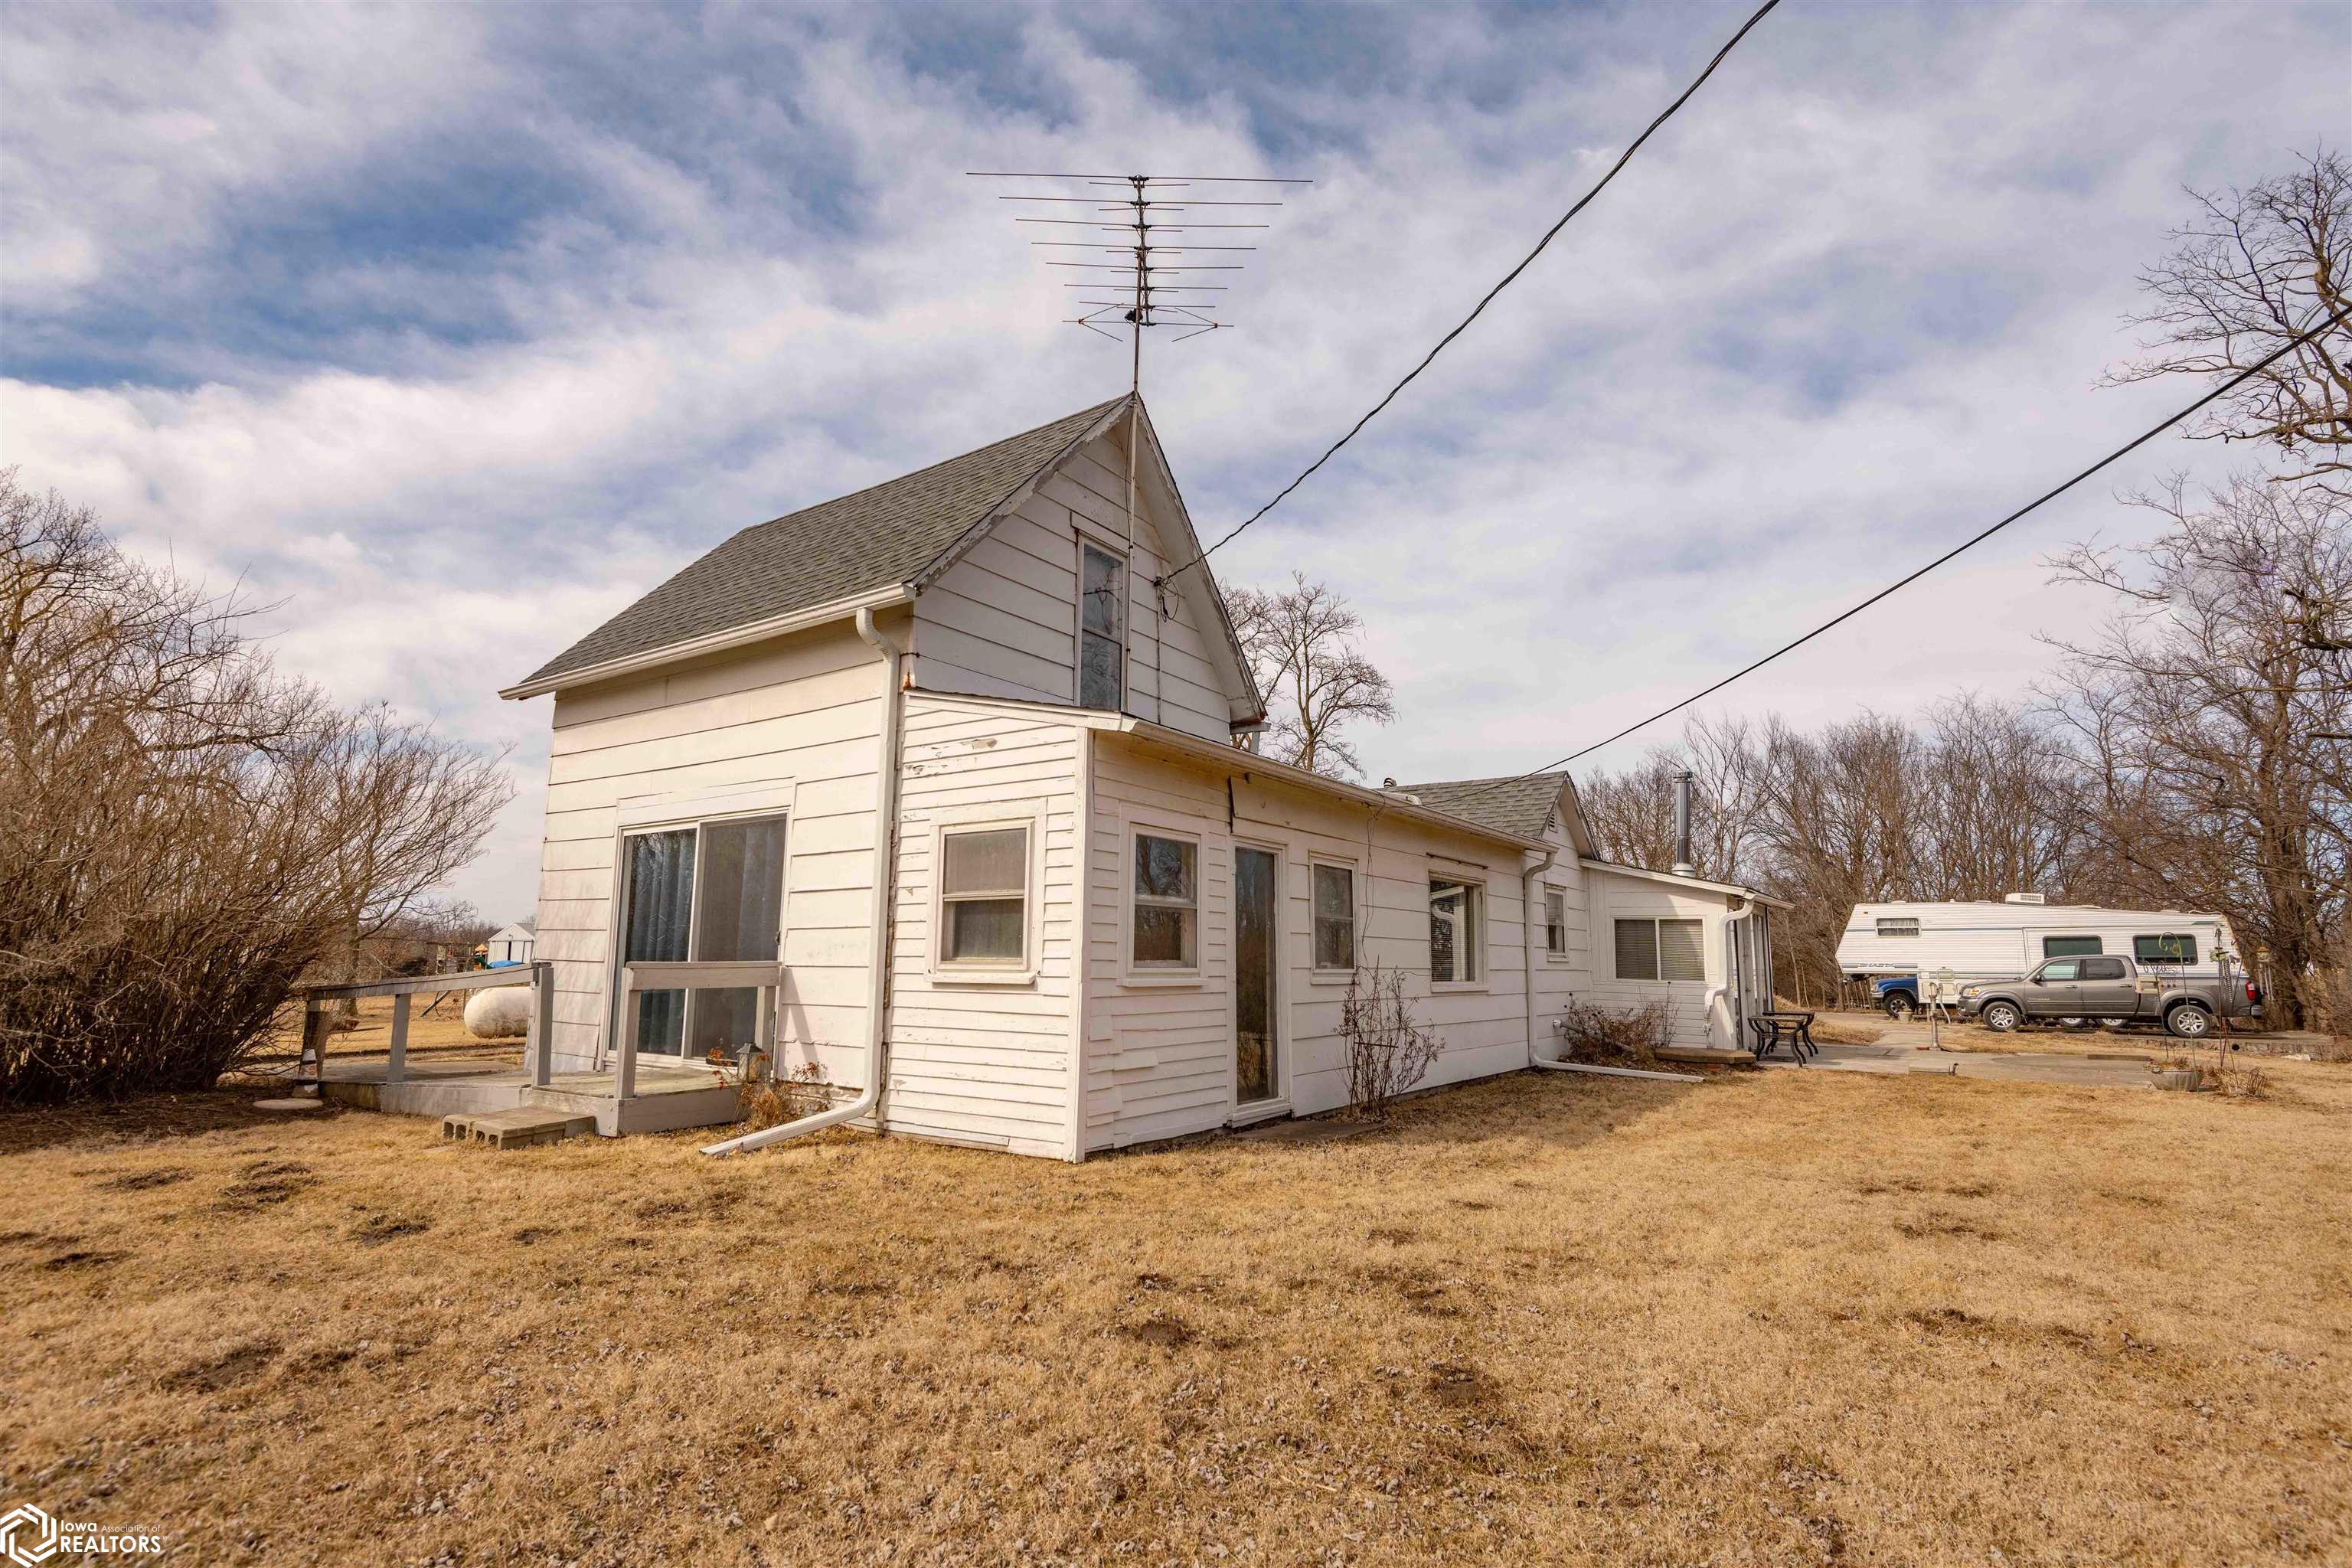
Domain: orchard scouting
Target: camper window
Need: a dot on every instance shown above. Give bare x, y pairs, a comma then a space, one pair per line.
2069, 946
1891, 926
2171, 947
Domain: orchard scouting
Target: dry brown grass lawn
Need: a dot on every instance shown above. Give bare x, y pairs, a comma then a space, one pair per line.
1776, 1317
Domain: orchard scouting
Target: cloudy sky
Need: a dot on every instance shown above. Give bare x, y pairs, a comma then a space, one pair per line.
456, 328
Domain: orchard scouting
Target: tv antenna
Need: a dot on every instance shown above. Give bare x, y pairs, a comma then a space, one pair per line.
1138, 217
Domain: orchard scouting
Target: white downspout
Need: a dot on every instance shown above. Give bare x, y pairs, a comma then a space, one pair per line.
886, 836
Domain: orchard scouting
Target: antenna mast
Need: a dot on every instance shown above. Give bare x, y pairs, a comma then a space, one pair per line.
1137, 215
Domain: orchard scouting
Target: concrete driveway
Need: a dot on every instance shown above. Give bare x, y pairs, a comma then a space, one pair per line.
1901, 1050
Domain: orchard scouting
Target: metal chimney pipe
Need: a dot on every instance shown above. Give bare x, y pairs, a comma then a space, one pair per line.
1683, 866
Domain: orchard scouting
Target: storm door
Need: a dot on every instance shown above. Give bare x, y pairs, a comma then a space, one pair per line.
1256, 965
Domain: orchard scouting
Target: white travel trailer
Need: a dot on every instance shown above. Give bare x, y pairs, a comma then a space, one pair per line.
1903, 949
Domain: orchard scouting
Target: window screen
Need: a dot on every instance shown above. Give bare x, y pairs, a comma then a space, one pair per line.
1167, 902
2069, 946
1334, 917
984, 894
2172, 947
1102, 629
1637, 950
1679, 957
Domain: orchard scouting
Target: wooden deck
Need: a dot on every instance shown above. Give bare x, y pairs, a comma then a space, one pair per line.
667, 1097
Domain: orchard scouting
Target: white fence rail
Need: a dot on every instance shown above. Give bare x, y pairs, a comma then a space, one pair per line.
539, 1043
713, 974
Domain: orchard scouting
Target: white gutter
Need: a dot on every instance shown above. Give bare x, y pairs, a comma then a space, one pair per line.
885, 834
713, 642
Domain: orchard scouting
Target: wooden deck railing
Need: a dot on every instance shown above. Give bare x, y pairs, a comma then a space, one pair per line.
539, 1042
765, 977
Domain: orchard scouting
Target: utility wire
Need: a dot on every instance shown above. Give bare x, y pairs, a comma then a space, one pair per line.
2135, 442
1663, 115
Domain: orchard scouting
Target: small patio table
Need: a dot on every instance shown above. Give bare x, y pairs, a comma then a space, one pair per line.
1796, 1028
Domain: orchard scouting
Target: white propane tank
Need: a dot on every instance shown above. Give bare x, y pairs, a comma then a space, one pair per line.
498, 1013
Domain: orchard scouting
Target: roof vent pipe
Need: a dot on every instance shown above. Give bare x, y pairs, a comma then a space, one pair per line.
1683, 866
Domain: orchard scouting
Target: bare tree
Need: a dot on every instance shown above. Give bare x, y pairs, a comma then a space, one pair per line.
2253, 271
2194, 710
1301, 642
185, 831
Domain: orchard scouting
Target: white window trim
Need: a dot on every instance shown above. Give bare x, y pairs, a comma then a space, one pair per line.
1566, 955
1153, 975
684, 808
1700, 920
948, 820
1318, 976
1124, 554
1482, 944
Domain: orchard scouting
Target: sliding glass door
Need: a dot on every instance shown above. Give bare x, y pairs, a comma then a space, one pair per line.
710, 892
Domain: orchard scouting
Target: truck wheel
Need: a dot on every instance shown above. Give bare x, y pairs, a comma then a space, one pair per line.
1898, 1006
2002, 1017
2077, 1022
2189, 1021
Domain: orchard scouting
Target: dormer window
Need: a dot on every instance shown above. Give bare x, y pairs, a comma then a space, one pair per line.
1102, 629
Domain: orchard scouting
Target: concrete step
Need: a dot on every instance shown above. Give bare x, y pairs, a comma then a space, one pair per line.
520, 1128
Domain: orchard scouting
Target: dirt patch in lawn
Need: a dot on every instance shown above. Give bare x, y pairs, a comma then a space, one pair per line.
1797, 1317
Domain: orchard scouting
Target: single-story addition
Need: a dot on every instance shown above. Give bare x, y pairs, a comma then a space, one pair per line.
953, 776
511, 943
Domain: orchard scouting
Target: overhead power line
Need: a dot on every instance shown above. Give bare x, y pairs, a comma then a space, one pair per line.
1622, 159
1969, 544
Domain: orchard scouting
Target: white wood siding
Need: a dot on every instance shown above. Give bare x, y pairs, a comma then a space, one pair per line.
1700, 1012
1003, 621
804, 711
985, 1061
1159, 1056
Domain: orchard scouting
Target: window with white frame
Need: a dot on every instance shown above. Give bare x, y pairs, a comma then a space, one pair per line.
1454, 930
985, 897
1659, 949
1556, 923
1898, 925
1102, 629
1335, 916
1166, 919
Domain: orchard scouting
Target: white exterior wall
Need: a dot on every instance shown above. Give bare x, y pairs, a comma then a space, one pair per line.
800, 717
1159, 1052
986, 1058
1003, 621
1700, 1010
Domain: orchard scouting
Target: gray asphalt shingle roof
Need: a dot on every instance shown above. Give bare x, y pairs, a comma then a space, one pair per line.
1521, 806
873, 539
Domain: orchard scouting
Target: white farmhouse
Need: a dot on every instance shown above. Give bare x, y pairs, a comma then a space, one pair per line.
960, 754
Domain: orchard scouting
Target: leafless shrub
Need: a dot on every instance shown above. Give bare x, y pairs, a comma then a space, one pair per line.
771, 1101
1614, 1036
1388, 1049
185, 832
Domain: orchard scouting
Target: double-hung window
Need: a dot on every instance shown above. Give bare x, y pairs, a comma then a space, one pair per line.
1167, 914
985, 897
1659, 949
1102, 629
1556, 923
1454, 931
1335, 916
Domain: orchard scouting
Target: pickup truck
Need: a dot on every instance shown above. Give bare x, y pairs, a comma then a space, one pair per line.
2111, 989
